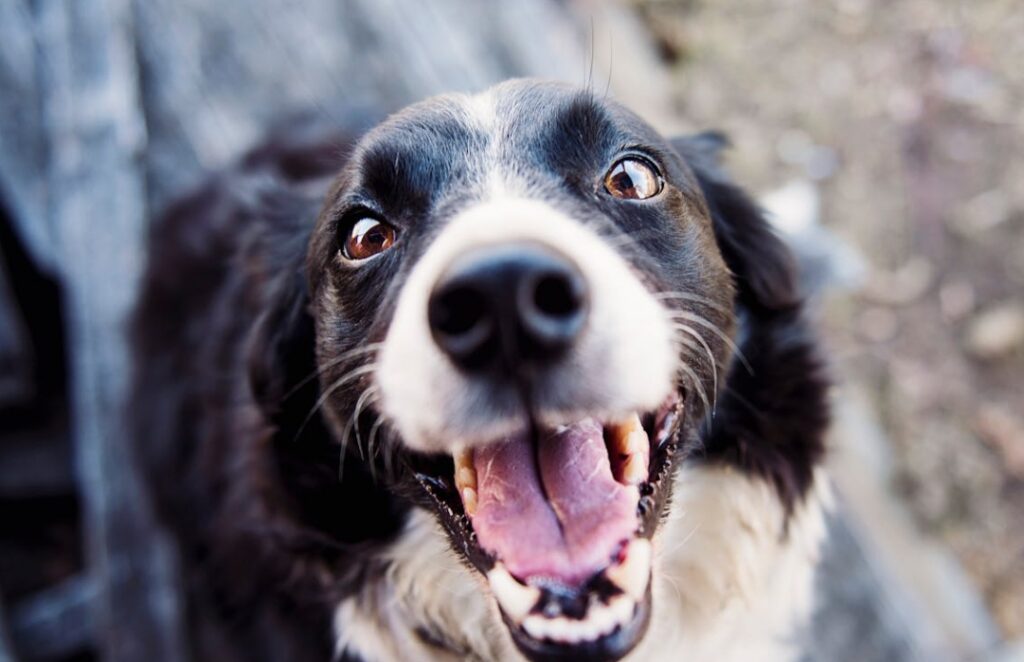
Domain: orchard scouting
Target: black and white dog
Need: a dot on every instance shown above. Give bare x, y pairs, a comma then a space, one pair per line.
510, 376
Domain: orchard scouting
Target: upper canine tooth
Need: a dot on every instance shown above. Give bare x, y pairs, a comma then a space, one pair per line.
634, 469
627, 433
465, 477
465, 472
633, 573
630, 443
515, 598
469, 500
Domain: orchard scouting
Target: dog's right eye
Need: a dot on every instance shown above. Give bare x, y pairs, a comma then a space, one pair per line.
367, 237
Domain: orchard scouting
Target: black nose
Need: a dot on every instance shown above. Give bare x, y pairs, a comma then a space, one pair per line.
515, 303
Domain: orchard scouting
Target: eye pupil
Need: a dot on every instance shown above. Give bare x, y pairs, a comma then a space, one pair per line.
633, 179
368, 237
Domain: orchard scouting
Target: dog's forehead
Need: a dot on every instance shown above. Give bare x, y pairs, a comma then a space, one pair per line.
513, 126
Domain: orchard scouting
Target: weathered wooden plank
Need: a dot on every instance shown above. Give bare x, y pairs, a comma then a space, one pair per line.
55, 623
216, 75
23, 134
96, 212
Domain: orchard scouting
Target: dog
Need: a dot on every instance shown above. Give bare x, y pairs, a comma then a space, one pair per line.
508, 375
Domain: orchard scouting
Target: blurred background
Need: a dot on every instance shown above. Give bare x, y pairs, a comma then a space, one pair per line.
885, 137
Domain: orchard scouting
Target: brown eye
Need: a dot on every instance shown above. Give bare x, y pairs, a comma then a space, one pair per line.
366, 238
633, 179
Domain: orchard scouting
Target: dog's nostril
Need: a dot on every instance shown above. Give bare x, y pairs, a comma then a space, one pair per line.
551, 310
459, 310
461, 322
556, 295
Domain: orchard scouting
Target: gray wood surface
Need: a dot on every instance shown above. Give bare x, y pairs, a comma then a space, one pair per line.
78, 83
57, 622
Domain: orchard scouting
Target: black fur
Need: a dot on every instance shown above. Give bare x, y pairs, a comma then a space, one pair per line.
228, 340
772, 416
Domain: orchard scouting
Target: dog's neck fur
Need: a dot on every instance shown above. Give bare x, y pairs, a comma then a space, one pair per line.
733, 580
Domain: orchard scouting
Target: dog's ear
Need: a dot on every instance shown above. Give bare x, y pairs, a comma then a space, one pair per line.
281, 347
771, 416
761, 263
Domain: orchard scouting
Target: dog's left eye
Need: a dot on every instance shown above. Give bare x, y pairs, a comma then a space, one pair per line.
633, 179
367, 237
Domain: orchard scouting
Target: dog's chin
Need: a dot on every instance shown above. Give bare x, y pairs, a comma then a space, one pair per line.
559, 521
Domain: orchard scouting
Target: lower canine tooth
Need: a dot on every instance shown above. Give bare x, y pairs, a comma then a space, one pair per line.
633, 573
516, 599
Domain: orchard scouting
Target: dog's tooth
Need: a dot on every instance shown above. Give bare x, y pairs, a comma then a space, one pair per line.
633, 573
592, 626
625, 433
632, 446
465, 472
516, 599
536, 626
633, 470
469, 500
606, 619
466, 477
621, 610
560, 629
583, 631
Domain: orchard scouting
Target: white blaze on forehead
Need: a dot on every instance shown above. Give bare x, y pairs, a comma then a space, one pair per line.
624, 360
482, 109
496, 180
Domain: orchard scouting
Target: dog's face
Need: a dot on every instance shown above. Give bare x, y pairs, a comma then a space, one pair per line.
534, 273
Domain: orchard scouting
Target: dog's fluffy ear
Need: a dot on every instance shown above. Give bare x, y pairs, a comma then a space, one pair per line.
772, 414
761, 263
281, 347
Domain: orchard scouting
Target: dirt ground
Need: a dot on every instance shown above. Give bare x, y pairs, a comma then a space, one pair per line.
907, 116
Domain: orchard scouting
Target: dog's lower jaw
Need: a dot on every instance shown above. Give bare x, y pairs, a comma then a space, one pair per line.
733, 580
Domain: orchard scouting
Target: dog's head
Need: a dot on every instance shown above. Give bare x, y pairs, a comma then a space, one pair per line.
524, 304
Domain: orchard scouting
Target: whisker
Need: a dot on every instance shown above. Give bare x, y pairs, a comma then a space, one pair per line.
703, 321
370, 450
369, 394
349, 376
685, 540
698, 387
690, 296
667, 577
369, 347
711, 357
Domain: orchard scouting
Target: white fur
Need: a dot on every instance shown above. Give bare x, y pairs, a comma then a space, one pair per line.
729, 584
624, 361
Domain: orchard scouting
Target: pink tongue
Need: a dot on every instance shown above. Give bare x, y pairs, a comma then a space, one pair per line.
560, 515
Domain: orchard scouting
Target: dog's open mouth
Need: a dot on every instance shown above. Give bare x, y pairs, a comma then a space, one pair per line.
559, 522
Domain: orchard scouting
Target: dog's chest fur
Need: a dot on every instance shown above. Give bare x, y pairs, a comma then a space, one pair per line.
733, 581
